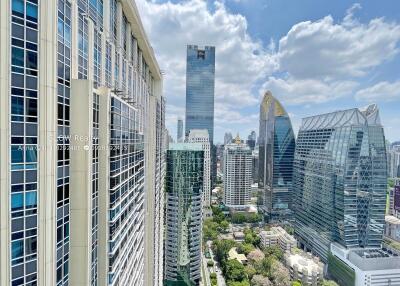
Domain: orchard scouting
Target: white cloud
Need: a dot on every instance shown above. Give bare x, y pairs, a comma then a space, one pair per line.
382, 91
326, 50
240, 60
306, 91
323, 60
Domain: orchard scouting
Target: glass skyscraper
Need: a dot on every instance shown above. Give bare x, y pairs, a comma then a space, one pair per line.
276, 152
184, 184
200, 81
339, 180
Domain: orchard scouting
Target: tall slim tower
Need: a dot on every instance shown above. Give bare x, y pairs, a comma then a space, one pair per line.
237, 174
276, 152
78, 82
184, 184
179, 133
200, 82
340, 178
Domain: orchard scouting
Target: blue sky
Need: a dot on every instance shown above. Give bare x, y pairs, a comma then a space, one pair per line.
315, 56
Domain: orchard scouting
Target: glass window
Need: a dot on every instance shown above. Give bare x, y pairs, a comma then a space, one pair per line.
31, 199
31, 12
17, 202
31, 107
18, 7
30, 245
31, 60
31, 154
17, 249
17, 105
17, 154
17, 56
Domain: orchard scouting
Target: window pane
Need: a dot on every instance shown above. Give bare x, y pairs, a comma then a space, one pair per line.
18, 7
17, 249
17, 154
30, 199
17, 202
17, 105
31, 154
17, 56
31, 60
31, 12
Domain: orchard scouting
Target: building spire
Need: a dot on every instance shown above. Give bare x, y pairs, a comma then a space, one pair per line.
237, 139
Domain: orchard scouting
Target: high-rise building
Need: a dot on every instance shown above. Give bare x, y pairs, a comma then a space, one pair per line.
77, 82
340, 180
228, 138
184, 184
201, 136
255, 166
200, 82
394, 162
179, 133
276, 152
237, 174
252, 140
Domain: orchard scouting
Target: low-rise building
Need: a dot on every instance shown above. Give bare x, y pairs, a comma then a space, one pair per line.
364, 266
233, 254
304, 267
392, 227
278, 236
239, 236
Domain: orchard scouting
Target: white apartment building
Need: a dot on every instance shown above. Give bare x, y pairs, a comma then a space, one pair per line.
81, 164
278, 236
201, 136
237, 174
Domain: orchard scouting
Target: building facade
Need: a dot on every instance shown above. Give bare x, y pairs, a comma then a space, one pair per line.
340, 178
237, 174
184, 183
179, 134
68, 219
276, 152
201, 136
200, 84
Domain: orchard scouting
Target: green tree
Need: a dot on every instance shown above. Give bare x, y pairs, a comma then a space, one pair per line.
264, 266
296, 283
238, 283
250, 271
275, 251
329, 283
221, 249
234, 271
224, 225
245, 248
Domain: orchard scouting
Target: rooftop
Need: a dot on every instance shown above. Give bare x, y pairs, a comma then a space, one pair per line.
234, 255
392, 219
304, 262
185, 147
355, 116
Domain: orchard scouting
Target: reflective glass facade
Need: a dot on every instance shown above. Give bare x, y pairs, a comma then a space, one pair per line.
23, 144
184, 183
200, 78
340, 179
276, 152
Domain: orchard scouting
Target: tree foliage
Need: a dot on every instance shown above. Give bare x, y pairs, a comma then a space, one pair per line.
259, 280
255, 256
234, 271
245, 248
280, 274
275, 251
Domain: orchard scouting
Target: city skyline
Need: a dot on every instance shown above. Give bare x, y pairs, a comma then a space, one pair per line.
299, 87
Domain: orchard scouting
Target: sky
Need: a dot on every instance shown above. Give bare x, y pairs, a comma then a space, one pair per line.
315, 56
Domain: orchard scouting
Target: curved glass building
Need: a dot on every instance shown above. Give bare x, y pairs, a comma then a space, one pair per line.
184, 188
340, 179
276, 152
